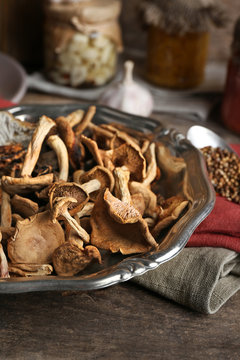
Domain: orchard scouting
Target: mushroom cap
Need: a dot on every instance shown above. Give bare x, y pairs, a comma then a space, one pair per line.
169, 212
69, 189
69, 259
120, 211
129, 155
93, 148
35, 239
150, 198
108, 234
100, 173
170, 164
14, 130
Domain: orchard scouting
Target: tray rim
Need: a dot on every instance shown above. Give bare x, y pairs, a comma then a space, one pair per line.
135, 265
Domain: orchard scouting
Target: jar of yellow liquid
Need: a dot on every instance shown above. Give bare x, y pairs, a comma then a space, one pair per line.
176, 61
178, 40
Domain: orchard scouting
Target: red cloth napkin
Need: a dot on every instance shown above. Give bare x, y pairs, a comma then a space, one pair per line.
222, 227
5, 103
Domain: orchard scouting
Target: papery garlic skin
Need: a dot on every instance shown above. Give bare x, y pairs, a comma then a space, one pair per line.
128, 96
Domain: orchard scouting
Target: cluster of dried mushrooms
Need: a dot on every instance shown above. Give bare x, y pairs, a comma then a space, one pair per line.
78, 188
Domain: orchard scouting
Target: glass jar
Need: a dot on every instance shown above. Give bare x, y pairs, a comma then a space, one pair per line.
230, 109
174, 60
82, 41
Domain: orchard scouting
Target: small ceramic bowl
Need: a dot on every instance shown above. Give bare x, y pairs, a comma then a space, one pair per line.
13, 79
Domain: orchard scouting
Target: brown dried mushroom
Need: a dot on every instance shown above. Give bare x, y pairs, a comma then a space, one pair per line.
129, 156
60, 210
35, 239
30, 269
96, 189
170, 211
79, 192
3, 261
44, 126
102, 174
119, 227
69, 259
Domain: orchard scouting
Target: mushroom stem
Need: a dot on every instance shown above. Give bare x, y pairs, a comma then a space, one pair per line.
56, 143
60, 208
35, 145
74, 224
86, 210
3, 262
75, 117
122, 176
25, 184
85, 121
91, 186
6, 212
152, 165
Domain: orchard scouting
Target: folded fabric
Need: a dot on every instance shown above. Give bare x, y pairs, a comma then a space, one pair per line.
222, 227
200, 278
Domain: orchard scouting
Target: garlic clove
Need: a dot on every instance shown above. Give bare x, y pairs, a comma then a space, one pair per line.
127, 95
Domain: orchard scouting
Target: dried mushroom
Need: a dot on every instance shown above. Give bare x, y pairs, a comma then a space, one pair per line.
44, 126
131, 157
6, 211
98, 188
30, 269
4, 273
79, 192
69, 259
102, 174
170, 211
119, 227
60, 149
14, 131
60, 210
35, 239
26, 185
24, 206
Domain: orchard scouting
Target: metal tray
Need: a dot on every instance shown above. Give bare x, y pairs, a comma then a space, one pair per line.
118, 268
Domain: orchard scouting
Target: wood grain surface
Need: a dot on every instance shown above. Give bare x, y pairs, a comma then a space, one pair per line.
121, 322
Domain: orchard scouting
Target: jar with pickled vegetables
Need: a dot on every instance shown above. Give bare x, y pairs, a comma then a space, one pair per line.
177, 42
82, 41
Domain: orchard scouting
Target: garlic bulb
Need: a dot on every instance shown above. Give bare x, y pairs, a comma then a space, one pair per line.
127, 95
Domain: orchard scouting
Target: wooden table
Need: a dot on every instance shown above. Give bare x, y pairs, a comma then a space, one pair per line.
124, 321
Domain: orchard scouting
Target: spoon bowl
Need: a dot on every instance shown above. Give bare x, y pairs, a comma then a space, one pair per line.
201, 136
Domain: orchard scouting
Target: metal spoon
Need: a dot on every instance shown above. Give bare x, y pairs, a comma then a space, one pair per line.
201, 136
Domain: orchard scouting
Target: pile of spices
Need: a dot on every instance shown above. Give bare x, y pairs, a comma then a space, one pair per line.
224, 171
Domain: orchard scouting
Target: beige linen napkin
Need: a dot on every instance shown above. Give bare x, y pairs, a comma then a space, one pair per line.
202, 278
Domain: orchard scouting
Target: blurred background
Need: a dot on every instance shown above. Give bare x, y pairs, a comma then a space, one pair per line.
21, 30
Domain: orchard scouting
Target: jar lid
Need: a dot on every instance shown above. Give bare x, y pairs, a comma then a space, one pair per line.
87, 16
88, 11
182, 16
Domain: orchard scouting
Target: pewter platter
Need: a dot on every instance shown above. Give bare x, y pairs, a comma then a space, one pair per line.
118, 268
